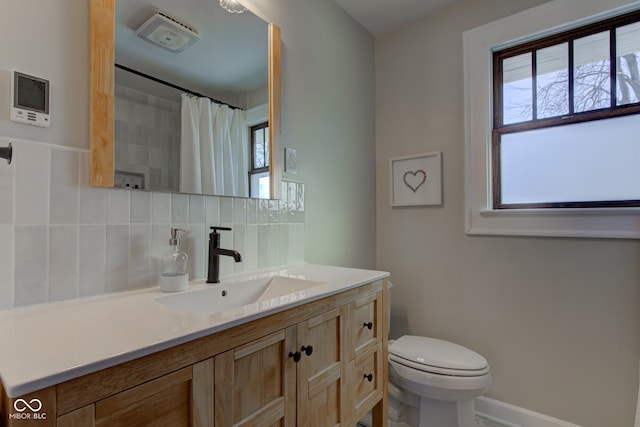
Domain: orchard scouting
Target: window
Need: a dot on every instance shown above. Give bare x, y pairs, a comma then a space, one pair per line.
566, 114
259, 171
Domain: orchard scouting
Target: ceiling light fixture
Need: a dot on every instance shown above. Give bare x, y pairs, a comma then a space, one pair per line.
232, 6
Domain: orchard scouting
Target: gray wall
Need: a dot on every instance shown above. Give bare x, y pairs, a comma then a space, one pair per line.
328, 113
558, 319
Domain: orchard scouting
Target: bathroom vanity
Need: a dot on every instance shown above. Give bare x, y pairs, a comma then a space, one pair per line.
310, 350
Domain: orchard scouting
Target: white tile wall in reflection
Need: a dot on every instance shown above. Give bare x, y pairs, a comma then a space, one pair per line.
62, 239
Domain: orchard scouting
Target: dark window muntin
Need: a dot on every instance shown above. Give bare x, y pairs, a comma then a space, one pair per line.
263, 127
572, 117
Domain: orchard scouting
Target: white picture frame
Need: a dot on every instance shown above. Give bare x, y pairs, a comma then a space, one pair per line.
416, 180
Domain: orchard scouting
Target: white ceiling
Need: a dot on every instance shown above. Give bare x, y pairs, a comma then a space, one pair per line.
381, 16
230, 58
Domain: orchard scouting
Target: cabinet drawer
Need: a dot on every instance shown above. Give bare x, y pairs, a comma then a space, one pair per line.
365, 323
366, 380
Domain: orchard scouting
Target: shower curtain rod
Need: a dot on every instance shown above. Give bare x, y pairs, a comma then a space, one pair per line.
157, 80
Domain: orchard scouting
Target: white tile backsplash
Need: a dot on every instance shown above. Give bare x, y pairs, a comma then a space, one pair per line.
63, 239
160, 208
32, 164
31, 264
92, 244
196, 209
64, 186
179, 208
140, 207
6, 266
118, 206
6, 190
140, 256
63, 262
117, 258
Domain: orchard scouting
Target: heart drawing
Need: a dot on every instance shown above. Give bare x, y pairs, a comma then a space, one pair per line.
414, 180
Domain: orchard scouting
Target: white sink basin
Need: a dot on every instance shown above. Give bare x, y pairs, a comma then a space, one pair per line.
226, 296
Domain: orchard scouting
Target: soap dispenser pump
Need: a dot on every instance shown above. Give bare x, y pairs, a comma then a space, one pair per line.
174, 266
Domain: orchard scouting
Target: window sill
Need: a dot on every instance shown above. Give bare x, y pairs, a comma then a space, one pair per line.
612, 223
559, 212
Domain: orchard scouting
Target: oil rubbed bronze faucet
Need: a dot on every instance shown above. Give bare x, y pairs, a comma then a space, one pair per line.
213, 273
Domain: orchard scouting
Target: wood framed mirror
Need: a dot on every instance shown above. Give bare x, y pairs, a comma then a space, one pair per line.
102, 132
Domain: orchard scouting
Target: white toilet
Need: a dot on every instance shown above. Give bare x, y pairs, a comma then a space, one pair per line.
433, 383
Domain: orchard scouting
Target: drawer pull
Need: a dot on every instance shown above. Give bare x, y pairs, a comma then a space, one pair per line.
296, 356
307, 350
368, 377
368, 325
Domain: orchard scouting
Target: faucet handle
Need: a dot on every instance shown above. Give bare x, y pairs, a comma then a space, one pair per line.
215, 229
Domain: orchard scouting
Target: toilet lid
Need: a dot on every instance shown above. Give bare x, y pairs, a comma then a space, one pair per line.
425, 353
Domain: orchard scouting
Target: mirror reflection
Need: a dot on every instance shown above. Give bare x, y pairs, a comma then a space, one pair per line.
191, 99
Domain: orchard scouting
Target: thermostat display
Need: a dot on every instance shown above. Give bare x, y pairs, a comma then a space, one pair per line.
29, 100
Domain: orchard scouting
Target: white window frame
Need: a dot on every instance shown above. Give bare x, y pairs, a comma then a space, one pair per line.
479, 43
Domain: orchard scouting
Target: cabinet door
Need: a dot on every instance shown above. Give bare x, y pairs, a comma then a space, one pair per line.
176, 399
365, 323
255, 383
366, 380
321, 370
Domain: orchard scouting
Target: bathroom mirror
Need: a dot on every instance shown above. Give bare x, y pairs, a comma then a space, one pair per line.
113, 24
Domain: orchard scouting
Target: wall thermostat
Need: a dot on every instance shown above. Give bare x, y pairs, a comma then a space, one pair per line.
29, 99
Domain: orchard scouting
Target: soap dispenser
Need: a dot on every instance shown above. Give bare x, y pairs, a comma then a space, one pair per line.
174, 266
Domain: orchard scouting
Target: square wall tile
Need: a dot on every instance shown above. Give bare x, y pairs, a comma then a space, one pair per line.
140, 207
250, 257
6, 267
160, 208
63, 262
31, 265
193, 244
196, 209
32, 163
140, 256
179, 208
117, 258
118, 206
212, 211
252, 211
226, 210
92, 244
240, 245
65, 183
239, 210
7, 179
93, 205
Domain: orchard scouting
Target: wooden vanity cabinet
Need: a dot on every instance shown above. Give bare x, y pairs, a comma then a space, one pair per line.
318, 364
255, 383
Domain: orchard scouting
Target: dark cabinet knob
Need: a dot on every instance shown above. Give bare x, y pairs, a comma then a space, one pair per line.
368, 325
368, 377
296, 356
307, 349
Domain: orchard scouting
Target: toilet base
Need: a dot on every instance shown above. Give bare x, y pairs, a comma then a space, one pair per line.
439, 413
429, 413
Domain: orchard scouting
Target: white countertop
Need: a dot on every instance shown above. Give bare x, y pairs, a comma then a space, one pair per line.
41, 346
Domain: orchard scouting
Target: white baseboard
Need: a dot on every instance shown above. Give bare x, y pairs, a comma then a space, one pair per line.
493, 413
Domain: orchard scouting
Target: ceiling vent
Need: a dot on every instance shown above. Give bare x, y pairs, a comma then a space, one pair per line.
168, 33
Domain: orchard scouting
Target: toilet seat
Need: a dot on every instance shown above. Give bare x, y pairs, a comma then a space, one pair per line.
437, 357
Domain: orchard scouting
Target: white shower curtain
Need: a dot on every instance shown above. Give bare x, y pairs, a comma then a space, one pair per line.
214, 152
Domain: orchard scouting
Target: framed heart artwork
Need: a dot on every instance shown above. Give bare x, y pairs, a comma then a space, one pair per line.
416, 179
